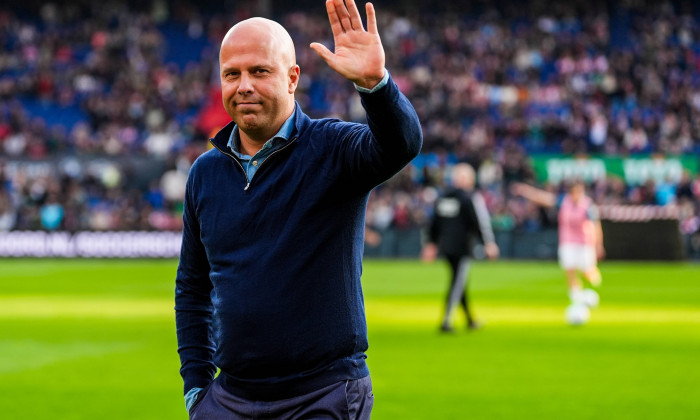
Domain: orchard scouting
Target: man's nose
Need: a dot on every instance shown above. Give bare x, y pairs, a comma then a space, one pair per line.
245, 84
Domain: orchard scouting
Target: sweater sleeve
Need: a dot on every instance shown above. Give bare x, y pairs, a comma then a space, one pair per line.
193, 307
390, 140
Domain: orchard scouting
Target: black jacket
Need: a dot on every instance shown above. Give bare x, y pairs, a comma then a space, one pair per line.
460, 219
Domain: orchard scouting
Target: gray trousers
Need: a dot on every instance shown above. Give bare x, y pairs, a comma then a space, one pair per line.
458, 293
346, 400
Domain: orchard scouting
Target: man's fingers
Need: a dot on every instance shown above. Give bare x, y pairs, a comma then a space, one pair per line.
321, 50
343, 15
354, 14
371, 19
336, 26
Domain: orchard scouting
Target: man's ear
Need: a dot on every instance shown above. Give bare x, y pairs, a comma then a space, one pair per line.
293, 78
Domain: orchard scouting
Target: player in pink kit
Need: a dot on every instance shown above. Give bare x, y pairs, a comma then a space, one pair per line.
580, 234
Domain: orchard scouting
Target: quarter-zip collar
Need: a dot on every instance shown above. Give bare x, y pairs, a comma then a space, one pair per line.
221, 139
238, 162
284, 133
252, 163
288, 134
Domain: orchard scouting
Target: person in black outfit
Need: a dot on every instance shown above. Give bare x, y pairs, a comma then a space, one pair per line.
460, 219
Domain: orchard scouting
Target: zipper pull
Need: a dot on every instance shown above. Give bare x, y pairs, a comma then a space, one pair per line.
246, 186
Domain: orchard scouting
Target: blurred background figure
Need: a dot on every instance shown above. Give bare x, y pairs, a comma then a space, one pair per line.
580, 235
460, 219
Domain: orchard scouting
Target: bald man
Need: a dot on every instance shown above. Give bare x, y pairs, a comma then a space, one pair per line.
268, 285
460, 219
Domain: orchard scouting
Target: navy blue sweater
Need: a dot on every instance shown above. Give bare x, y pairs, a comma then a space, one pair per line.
268, 285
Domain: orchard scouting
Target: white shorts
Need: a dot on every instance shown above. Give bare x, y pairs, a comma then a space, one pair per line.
577, 257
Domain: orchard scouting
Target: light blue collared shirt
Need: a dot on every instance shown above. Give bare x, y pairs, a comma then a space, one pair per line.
191, 397
380, 85
252, 163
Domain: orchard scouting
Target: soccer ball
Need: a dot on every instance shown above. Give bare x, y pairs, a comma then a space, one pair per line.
590, 298
577, 314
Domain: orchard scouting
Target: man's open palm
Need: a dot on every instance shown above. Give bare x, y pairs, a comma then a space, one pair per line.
359, 55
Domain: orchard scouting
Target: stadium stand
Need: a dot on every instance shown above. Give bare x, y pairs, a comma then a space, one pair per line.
103, 108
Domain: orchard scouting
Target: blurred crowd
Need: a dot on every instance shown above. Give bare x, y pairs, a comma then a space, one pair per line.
492, 82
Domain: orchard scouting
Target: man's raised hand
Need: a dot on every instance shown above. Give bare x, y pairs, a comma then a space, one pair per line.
359, 55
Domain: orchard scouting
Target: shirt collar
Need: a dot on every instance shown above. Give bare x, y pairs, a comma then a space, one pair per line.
284, 133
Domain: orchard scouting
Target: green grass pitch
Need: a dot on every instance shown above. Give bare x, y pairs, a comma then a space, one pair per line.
95, 339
